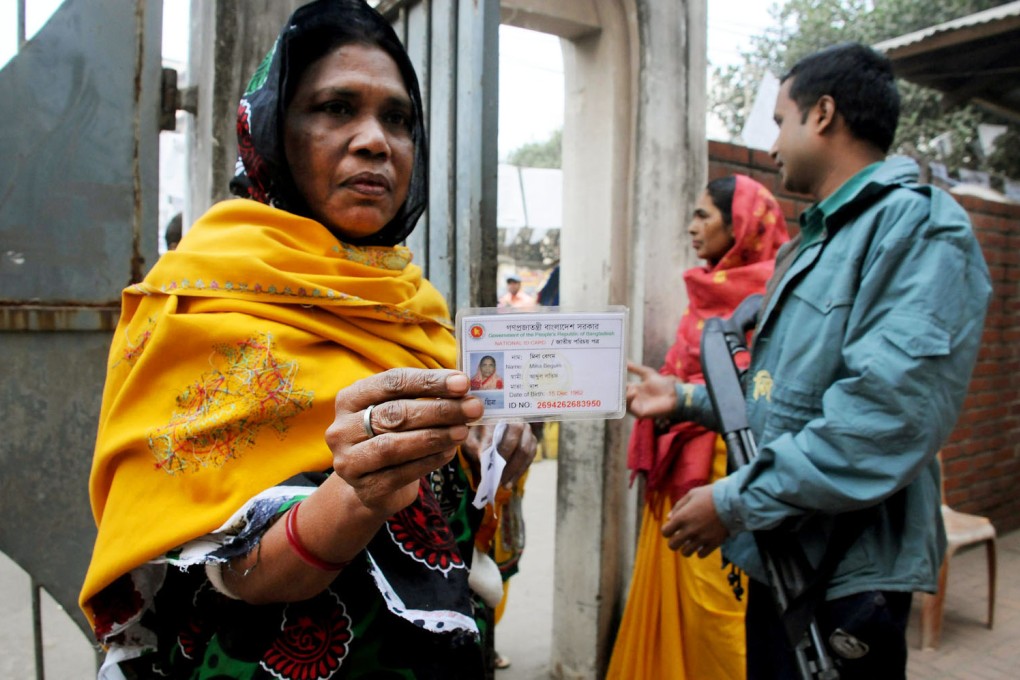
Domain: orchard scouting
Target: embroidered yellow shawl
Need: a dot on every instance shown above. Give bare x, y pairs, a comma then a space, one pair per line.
225, 365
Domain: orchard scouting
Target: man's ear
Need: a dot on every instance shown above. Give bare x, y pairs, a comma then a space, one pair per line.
823, 114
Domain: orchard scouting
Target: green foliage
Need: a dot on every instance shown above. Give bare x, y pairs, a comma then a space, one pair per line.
1005, 159
801, 27
547, 154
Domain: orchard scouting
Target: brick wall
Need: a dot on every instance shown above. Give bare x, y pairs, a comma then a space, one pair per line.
982, 457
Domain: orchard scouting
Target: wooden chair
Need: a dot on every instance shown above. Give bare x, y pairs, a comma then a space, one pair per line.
962, 529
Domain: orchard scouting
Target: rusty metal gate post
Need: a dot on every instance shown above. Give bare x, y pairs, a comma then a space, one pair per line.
79, 106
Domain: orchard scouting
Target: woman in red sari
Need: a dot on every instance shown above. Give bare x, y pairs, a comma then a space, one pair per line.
486, 378
682, 618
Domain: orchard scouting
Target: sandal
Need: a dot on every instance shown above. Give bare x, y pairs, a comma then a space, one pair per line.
501, 661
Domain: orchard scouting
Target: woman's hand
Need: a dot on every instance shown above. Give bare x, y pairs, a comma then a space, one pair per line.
518, 448
654, 396
419, 417
417, 420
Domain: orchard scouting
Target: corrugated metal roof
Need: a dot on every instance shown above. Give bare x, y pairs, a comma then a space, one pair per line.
992, 17
971, 59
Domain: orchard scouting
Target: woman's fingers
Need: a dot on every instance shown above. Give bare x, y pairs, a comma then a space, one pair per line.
399, 400
393, 488
394, 427
693, 526
384, 470
401, 383
397, 426
407, 415
393, 432
654, 396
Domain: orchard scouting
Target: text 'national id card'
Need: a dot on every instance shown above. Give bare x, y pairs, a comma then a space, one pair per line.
545, 365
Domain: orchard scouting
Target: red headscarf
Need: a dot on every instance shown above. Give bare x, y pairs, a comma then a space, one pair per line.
681, 458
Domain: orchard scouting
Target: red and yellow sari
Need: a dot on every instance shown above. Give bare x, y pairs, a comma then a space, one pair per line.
682, 619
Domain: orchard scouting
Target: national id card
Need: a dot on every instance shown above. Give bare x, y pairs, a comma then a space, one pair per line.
550, 364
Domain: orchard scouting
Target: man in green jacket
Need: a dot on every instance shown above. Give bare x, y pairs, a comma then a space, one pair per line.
860, 363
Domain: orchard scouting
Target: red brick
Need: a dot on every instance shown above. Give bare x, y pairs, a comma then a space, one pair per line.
971, 203
993, 257
984, 223
984, 399
762, 159
996, 442
959, 433
991, 334
1003, 289
955, 468
1007, 459
722, 151
992, 239
717, 170
997, 318
1006, 210
789, 208
769, 180
992, 383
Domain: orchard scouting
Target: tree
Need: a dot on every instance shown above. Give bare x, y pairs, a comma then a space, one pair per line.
547, 154
804, 26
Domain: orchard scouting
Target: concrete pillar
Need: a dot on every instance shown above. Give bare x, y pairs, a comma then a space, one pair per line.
592, 534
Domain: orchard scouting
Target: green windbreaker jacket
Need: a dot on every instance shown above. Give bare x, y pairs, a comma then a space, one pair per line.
860, 364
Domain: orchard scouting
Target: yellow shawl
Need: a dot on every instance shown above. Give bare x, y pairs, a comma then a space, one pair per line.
224, 367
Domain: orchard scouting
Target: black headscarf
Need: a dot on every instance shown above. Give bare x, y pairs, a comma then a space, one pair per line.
311, 32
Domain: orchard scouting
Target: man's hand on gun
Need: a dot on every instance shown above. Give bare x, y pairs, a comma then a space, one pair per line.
693, 525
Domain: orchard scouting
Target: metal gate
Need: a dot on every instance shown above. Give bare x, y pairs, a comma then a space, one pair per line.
79, 130
454, 45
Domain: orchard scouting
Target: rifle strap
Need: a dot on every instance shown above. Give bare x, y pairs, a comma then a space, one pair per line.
784, 258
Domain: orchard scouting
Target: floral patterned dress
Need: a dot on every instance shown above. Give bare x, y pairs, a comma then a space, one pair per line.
379, 618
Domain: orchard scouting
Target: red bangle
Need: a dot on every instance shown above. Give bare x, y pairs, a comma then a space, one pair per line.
290, 527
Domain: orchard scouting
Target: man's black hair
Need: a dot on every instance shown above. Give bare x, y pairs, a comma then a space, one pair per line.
861, 82
174, 230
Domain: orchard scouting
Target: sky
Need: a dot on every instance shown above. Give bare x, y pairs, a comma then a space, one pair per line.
731, 25
530, 87
531, 69
531, 64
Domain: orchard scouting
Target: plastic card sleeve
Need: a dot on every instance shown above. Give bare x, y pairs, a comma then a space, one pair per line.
549, 363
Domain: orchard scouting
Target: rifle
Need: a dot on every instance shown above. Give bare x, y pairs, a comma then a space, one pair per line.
785, 564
